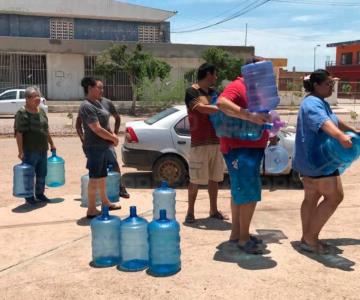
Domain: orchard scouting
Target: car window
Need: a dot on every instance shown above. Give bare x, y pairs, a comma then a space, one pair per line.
161, 115
183, 127
22, 95
8, 96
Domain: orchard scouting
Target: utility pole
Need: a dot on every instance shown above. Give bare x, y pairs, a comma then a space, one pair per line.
315, 56
246, 31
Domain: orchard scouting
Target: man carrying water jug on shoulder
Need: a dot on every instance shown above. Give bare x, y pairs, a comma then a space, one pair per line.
206, 164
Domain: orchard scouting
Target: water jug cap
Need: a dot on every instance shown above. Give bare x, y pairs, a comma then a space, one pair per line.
53, 152
133, 211
162, 214
164, 184
110, 167
268, 126
105, 212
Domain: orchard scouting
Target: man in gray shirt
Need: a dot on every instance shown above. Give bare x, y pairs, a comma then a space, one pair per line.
81, 126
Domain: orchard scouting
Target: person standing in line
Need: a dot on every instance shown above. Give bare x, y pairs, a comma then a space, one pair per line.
206, 164
243, 159
315, 123
110, 153
98, 138
32, 138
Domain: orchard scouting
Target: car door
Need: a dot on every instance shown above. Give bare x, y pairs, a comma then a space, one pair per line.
180, 133
20, 101
8, 104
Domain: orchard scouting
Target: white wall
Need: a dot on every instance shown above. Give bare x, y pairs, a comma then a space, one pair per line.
64, 74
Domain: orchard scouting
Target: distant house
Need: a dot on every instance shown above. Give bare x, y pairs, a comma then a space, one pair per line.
291, 80
346, 68
53, 44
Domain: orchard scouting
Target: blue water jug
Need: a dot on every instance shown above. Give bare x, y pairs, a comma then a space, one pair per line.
113, 184
332, 156
105, 232
276, 159
55, 171
134, 243
84, 192
230, 127
261, 86
23, 180
164, 197
164, 242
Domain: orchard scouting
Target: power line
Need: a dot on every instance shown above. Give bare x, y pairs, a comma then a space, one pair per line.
248, 8
327, 3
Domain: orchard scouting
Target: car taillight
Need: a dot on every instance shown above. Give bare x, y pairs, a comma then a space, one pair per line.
131, 135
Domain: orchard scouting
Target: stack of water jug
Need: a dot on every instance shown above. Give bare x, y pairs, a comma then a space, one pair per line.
24, 176
134, 244
112, 187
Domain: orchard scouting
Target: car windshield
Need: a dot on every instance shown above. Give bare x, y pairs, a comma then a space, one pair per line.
161, 115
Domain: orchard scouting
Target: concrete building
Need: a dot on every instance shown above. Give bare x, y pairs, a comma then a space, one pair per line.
53, 44
347, 68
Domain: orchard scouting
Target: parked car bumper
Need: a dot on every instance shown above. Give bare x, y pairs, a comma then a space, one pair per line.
140, 159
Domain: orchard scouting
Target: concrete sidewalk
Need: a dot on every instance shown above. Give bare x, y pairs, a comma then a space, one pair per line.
45, 250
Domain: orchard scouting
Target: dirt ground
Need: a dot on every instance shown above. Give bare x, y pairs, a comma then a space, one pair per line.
45, 250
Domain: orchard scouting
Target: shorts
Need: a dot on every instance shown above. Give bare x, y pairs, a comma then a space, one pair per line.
96, 162
336, 173
112, 157
244, 171
206, 163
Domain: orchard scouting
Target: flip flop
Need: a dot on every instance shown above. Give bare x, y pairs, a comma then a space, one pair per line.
92, 216
252, 237
250, 247
114, 207
313, 249
219, 215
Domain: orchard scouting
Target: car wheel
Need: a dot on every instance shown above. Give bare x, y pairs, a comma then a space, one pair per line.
170, 168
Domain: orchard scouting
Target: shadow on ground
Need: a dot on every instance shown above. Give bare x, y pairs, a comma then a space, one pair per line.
144, 180
210, 224
230, 253
25, 207
334, 258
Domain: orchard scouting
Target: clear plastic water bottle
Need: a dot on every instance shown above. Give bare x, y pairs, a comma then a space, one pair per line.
164, 241
84, 192
105, 232
23, 180
276, 159
55, 171
164, 197
113, 184
261, 86
134, 243
332, 156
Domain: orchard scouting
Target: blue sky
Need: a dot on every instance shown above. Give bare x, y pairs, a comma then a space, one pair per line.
276, 29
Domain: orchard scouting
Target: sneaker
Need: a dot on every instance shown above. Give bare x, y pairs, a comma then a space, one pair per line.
42, 198
31, 200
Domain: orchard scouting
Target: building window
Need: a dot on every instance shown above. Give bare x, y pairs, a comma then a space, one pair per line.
61, 29
149, 33
358, 58
346, 58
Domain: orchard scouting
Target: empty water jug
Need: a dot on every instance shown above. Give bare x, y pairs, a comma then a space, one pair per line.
84, 192
23, 180
331, 155
55, 170
261, 86
134, 243
164, 242
113, 184
230, 127
164, 197
105, 232
276, 159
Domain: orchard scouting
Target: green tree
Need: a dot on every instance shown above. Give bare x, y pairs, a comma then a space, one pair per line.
228, 67
138, 65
